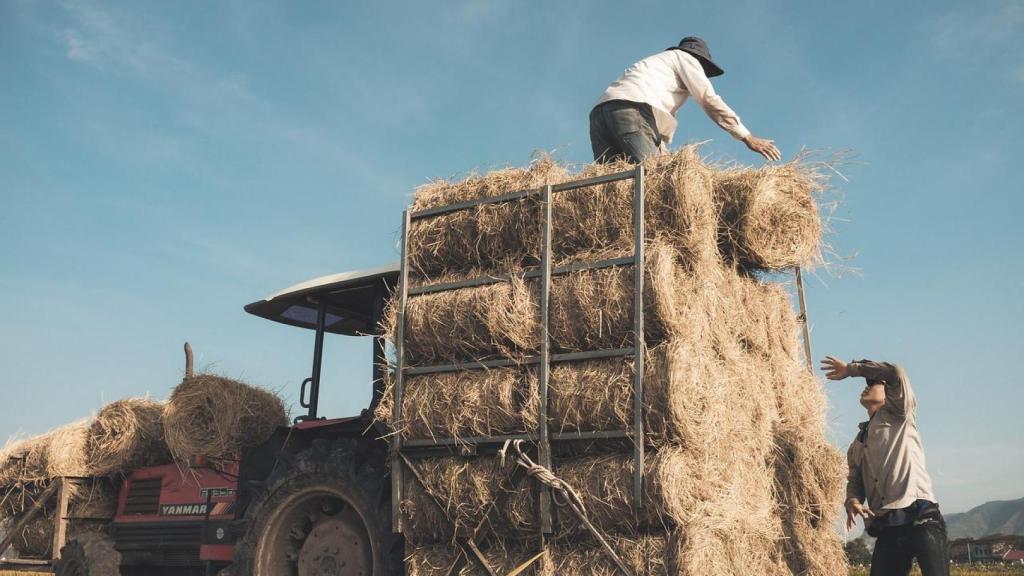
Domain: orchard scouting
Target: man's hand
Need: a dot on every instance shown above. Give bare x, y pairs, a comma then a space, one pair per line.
854, 509
763, 147
837, 369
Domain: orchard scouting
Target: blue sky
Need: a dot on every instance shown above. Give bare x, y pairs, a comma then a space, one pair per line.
162, 164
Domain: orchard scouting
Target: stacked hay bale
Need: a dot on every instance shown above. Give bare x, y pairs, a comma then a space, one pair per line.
213, 416
123, 435
740, 479
205, 415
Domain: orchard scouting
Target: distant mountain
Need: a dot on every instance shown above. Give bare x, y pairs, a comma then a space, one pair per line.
999, 517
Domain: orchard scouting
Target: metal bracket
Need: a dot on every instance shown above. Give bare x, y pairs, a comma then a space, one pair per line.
803, 319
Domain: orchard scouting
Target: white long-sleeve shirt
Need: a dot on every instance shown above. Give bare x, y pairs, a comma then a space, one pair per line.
664, 81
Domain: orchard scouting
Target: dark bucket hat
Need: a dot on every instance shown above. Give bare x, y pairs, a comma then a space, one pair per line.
699, 49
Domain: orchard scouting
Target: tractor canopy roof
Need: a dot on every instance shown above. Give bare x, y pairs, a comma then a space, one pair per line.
353, 301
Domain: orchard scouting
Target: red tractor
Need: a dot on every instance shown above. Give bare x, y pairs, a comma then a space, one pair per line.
313, 500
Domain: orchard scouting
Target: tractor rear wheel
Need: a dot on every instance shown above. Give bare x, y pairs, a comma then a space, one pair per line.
90, 554
326, 513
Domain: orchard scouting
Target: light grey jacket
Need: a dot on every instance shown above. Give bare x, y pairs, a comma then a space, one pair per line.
886, 459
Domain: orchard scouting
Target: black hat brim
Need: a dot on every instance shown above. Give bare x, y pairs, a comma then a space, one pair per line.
710, 68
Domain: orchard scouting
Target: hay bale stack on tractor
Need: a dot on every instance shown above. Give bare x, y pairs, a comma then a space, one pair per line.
685, 420
573, 373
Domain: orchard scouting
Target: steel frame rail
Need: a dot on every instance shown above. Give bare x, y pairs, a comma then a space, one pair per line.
543, 436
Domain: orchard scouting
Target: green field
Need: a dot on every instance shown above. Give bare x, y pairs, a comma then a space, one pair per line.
960, 570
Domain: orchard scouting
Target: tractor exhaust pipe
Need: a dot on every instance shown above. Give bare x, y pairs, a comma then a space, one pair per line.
188, 361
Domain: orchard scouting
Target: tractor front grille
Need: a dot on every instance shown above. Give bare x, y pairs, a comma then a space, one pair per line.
159, 543
143, 496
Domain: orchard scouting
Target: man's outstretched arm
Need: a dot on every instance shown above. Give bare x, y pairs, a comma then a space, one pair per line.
700, 88
898, 394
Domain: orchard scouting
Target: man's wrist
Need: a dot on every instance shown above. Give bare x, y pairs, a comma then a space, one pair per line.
853, 369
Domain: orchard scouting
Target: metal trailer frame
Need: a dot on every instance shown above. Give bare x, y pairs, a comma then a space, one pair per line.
59, 489
402, 450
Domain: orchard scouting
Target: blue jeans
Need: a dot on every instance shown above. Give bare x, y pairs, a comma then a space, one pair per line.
898, 546
623, 130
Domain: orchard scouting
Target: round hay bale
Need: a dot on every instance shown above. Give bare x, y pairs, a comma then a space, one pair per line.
589, 309
587, 223
464, 404
488, 237
597, 221
126, 435
24, 460
466, 488
94, 500
593, 309
676, 483
646, 554
59, 452
65, 454
768, 218
498, 319
695, 384
13, 501
213, 416
36, 539
809, 490
436, 560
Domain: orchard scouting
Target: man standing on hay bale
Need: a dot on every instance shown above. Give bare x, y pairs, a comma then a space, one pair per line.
635, 118
887, 484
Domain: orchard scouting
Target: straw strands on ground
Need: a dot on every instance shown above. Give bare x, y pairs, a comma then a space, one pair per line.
214, 416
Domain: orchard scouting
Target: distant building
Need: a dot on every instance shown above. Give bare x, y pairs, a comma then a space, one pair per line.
1014, 557
989, 549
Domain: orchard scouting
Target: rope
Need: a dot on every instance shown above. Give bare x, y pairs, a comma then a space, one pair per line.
559, 489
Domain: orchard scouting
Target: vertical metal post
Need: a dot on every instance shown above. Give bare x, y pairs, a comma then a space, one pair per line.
379, 350
396, 438
639, 233
209, 571
60, 528
318, 357
803, 319
544, 448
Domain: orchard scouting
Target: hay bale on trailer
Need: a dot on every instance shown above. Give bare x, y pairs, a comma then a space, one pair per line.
35, 540
764, 218
209, 415
125, 435
59, 452
94, 500
24, 460
587, 223
643, 554
680, 407
589, 309
768, 218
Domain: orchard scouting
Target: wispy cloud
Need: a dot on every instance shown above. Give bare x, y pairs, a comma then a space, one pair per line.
976, 28
219, 103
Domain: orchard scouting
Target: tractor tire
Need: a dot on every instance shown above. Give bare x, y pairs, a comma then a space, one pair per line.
325, 512
90, 554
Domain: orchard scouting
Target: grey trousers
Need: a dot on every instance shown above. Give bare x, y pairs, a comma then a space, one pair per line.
623, 130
